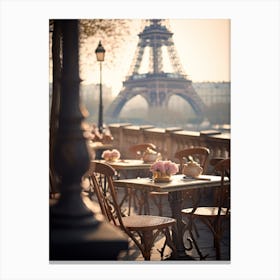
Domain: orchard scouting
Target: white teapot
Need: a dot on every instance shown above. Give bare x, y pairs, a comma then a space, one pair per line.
150, 155
192, 169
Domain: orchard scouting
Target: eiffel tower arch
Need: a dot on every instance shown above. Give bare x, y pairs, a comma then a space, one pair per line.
156, 86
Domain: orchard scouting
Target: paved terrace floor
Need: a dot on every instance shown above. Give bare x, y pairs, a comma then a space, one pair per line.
205, 239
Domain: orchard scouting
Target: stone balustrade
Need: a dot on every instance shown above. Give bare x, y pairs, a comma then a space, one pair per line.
169, 140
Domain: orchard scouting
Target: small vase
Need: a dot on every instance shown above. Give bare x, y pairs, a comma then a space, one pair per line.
161, 177
113, 159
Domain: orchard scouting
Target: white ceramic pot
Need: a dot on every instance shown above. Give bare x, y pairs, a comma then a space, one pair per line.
192, 169
150, 157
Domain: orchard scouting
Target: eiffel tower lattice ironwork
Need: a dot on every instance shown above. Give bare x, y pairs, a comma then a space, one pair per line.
156, 86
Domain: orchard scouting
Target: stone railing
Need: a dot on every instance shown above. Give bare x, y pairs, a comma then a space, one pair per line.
168, 140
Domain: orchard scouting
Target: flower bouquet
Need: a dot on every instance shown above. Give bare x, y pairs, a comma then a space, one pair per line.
163, 170
111, 155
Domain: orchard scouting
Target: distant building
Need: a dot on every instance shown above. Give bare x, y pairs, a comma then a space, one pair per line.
210, 92
91, 92
213, 92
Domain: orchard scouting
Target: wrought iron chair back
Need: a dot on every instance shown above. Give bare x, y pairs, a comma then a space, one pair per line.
197, 154
137, 150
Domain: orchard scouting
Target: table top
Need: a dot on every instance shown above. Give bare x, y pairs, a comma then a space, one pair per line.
127, 164
179, 182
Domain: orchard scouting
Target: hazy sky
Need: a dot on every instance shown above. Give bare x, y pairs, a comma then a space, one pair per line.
203, 48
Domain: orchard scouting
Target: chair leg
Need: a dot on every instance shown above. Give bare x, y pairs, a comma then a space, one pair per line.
147, 241
217, 243
169, 242
217, 246
217, 238
201, 257
190, 227
216, 229
195, 229
161, 251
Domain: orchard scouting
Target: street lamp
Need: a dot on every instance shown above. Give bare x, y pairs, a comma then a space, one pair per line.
100, 54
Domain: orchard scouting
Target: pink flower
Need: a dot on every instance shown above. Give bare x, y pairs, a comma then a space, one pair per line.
168, 167
111, 155
115, 154
106, 154
158, 166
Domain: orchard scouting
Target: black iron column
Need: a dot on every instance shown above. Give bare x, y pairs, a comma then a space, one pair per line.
75, 234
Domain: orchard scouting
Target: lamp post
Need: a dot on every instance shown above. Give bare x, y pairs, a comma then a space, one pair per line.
100, 54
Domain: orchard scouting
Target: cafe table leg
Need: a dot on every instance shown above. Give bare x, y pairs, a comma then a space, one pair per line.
175, 200
145, 201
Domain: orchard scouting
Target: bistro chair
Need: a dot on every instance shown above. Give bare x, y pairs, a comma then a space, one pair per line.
198, 154
142, 229
214, 217
213, 162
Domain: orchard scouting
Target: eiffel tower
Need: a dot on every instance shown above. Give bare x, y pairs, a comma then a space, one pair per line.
156, 86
